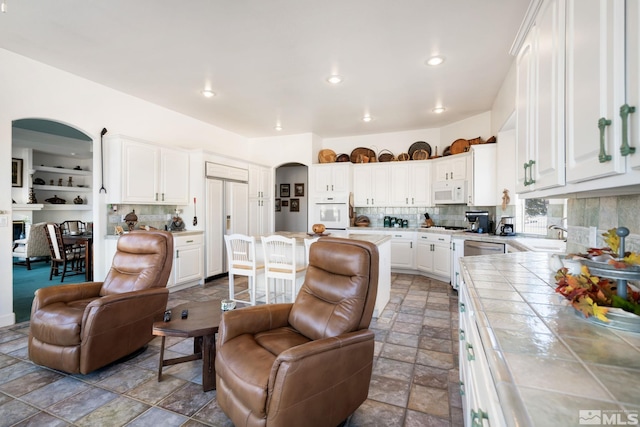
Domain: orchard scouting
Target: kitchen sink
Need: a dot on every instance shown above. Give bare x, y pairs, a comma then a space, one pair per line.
542, 245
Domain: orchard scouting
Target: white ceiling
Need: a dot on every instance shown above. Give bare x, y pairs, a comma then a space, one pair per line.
267, 60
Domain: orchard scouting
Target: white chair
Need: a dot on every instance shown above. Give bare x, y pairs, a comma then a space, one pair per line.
241, 257
280, 264
307, 248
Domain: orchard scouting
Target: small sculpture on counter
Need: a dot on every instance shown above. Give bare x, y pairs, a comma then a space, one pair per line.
176, 224
70, 182
131, 219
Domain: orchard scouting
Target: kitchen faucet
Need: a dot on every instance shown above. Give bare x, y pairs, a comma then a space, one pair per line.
562, 232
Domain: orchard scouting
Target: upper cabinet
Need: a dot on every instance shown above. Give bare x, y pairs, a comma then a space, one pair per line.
451, 168
410, 183
540, 101
140, 172
331, 177
577, 90
595, 79
371, 184
260, 200
260, 185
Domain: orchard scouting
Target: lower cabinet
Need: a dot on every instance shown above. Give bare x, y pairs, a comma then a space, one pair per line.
480, 404
188, 259
403, 250
457, 251
434, 254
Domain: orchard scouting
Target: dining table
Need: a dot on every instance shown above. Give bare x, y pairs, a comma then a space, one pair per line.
85, 240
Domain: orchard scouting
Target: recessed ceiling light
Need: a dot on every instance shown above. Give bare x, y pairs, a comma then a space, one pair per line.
278, 128
367, 118
439, 110
435, 60
208, 93
334, 79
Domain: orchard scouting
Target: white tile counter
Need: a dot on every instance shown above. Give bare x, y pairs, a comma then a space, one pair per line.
546, 363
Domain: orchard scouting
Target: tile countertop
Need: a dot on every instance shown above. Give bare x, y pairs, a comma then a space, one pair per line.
376, 239
546, 361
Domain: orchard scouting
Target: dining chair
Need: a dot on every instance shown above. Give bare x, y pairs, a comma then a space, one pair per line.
280, 265
242, 261
73, 227
70, 257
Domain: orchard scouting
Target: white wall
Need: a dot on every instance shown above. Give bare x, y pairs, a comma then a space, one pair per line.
279, 150
473, 127
33, 90
505, 103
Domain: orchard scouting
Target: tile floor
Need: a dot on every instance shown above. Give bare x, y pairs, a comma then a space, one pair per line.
414, 383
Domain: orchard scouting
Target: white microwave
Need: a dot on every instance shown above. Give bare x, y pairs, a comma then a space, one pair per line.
450, 192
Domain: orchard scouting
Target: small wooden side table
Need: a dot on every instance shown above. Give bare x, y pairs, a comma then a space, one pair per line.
202, 324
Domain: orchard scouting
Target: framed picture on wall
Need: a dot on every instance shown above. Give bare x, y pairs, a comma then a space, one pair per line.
295, 205
284, 190
16, 172
285, 203
278, 209
298, 190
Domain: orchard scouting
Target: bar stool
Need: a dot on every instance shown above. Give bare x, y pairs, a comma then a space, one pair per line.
280, 265
307, 248
241, 256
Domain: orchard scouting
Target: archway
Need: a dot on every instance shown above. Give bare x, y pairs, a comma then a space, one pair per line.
292, 198
53, 161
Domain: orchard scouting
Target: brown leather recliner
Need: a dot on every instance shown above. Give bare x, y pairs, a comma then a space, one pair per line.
78, 328
307, 363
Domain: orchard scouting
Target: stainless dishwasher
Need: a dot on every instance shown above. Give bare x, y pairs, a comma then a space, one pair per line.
473, 248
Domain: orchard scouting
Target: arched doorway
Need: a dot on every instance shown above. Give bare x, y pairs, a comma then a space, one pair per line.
292, 198
55, 162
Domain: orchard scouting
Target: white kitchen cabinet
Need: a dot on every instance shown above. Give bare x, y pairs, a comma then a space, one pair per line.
403, 250
331, 177
188, 258
481, 170
480, 403
633, 82
540, 78
260, 182
433, 254
595, 79
410, 184
260, 216
140, 172
260, 201
450, 168
457, 251
371, 184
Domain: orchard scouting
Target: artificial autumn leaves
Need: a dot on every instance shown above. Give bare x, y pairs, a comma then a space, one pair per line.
591, 294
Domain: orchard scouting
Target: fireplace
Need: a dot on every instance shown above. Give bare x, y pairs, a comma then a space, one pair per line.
19, 230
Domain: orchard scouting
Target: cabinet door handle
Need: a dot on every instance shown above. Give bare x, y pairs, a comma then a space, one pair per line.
625, 149
461, 388
156, 197
471, 355
189, 241
163, 197
531, 180
177, 254
462, 308
477, 417
526, 181
602, 124
406, 200
327, 187
413, 201
410, 245
331, 187
461, 334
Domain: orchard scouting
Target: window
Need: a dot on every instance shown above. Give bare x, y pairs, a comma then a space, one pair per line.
534, 216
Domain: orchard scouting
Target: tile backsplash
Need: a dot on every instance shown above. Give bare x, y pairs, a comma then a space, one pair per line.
156, 216
589, 218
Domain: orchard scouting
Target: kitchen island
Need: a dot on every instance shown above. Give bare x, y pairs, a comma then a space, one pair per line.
384, 267
528, 359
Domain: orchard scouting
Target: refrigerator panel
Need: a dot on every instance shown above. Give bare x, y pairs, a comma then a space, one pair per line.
215, 228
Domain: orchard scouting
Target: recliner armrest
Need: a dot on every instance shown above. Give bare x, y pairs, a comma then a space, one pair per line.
252, 320
65, 293
122, 309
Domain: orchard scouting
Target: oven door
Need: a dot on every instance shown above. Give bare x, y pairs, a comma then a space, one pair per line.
334, 216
